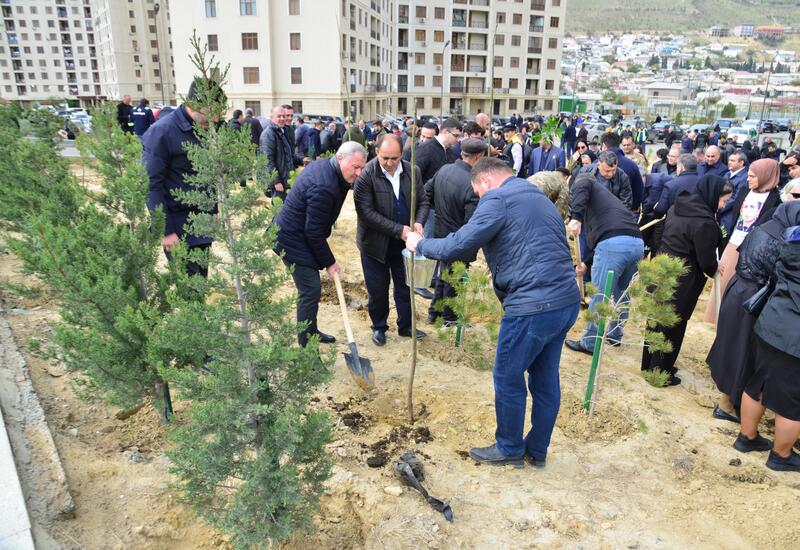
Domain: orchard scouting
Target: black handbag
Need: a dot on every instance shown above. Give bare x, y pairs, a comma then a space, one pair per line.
755, 303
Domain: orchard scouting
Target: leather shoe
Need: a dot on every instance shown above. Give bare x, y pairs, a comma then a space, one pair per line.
575, 345
407, 334
379, 337
424, 293
535, 462
719, 414
326, 338
492, 455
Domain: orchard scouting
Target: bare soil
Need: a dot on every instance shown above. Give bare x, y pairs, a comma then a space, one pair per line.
650, 469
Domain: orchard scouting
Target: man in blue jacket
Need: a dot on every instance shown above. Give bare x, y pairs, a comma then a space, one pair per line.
712, 164
523, 238
168, 166
546, 158
142, 118
686, 180
611, 142
305, 223
737, 175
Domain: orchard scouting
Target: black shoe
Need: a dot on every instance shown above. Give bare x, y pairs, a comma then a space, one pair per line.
424, 293
491, 455
326, 338
575, 345
535, 462
673, 380
744, 445
719, 414
379, 337
432, 317
780, 464
407, 334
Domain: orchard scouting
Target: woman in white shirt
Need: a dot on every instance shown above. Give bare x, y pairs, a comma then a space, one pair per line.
750, 209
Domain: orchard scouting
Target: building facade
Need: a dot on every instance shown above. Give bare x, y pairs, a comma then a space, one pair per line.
365, 58
85, 50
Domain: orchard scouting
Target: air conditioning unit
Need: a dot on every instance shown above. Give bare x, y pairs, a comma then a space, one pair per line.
421, 20
423, 44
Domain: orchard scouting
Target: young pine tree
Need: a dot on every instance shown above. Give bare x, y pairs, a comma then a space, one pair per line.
250, 456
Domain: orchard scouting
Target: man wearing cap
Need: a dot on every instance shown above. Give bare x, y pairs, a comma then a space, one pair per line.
450, 194
513, 152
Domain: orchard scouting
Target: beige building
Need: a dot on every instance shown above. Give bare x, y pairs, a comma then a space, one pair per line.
380, 55
84, 50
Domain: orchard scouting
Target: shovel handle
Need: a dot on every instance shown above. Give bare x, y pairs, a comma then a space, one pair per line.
343, 306
580, 261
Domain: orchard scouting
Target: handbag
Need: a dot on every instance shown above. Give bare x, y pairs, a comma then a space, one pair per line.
755, 303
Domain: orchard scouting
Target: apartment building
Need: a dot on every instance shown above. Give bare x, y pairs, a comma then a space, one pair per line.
462, 56
85, 50
317, 55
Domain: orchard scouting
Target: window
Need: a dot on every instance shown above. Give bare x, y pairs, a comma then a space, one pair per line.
499, 39
251, 75
513, 83
247, 7
548, 104
437, 59
517, 19
254, 105
556, 3
297, 75
552, 43
211, 8
249, 40
419, 102
548, 84
437, 102
419, 58
421, 11
498, 61
151, 28
419, 35
297, 106
419, 80
294, 7
438, 36
501, 17
551, 64
512, 104
437, 81
294, 40
516, 40
554, 22
438, 13
514, 63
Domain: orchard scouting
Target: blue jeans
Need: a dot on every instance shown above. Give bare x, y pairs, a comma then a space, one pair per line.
620, 255
529, 344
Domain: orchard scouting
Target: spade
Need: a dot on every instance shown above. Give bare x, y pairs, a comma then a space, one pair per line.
360, 367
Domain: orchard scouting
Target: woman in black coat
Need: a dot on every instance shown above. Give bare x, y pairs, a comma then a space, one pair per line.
776, 382
691, 233
731, 356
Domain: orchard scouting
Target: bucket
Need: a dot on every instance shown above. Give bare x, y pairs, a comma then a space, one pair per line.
423, 268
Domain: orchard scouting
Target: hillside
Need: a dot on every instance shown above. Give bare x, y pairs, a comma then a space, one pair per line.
674, 16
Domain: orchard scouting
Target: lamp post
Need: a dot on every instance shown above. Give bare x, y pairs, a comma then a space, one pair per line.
156, 9
441, 94
764, 102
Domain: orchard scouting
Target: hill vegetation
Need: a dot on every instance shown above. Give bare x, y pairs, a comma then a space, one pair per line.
675, 16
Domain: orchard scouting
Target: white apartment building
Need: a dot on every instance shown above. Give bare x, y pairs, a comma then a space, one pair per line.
380, 55
84, 50
498, 56
314, 54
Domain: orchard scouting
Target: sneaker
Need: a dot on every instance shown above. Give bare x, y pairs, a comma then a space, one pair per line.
743, 444
492, 455
778, 463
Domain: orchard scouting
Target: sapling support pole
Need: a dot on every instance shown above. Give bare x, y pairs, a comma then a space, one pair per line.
412, 208
462, 315
599, 343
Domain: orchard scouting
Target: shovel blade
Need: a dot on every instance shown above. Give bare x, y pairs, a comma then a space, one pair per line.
360, 368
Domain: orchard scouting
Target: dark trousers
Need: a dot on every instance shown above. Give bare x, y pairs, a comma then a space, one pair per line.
376, 276
309, 290
193, 268
443, 290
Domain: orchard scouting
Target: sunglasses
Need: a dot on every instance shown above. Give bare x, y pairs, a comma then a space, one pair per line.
582, 147
795, 195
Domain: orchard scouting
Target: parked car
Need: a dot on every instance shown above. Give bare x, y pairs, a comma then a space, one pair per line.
784, 124
82, 120
741, 133
698, 127
725, 123
595, 130
659, 131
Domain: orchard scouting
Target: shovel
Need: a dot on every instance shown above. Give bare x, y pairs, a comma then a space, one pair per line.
360, 367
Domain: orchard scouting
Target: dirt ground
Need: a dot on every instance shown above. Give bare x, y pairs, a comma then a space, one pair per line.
652, 469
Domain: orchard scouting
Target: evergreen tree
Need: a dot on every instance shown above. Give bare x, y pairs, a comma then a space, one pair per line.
729, 110
250, 456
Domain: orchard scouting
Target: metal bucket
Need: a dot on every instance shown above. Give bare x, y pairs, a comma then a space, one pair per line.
423, 268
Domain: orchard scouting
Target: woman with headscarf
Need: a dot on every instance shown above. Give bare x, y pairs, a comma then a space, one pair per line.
750, 209
775, 385
691, 233
731, 356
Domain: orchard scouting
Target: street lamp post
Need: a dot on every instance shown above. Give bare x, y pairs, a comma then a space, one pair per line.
156, 9
441, 96
764, 102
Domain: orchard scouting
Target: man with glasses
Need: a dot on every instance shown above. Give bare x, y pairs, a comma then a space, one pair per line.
670, 167
382, 196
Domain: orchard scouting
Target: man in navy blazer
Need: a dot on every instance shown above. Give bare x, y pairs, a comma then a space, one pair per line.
546, 158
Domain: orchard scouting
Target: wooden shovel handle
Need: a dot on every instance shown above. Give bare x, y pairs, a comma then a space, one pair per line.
343, 306
580, 261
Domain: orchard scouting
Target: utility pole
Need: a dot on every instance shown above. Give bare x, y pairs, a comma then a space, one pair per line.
156, 9
441, 96
764, 102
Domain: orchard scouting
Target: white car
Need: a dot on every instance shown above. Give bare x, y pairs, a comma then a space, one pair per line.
82, 120
595, 130
741, 133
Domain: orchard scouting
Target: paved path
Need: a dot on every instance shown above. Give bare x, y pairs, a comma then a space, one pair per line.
15, 526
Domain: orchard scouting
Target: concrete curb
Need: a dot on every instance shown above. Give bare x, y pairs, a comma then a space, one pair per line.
15, 529
38, 469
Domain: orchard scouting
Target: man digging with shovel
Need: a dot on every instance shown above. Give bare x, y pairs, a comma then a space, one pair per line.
523, 239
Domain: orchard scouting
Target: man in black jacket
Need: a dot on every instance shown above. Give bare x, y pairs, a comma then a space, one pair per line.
124, 110
255, 126
275, 145
305, 223
616, 244
382, 196
450, 193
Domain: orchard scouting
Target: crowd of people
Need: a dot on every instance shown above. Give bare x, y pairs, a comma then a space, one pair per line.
725, 213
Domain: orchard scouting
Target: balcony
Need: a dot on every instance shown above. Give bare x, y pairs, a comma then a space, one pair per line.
477, 67
536, 28
457, 67
480, 46
402, 65
62, 13
479, 24
402, 87
534, 49
484, 3
375, 88
403, 19
537, 5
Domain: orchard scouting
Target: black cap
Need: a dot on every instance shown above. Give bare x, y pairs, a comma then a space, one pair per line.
473, 146
509, 128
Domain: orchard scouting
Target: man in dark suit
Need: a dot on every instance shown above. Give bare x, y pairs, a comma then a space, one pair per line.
382, 196
546, 158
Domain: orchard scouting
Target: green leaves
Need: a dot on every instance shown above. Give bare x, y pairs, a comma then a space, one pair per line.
549, 131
